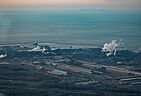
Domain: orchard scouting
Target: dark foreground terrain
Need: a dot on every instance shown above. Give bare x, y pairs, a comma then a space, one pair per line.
69, 72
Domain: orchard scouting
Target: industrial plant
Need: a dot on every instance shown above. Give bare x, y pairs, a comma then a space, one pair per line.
30, 70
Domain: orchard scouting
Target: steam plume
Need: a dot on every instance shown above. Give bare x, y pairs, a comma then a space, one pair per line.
3, 55
110, 48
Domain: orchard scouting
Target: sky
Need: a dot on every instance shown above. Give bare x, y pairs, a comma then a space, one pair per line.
71, 4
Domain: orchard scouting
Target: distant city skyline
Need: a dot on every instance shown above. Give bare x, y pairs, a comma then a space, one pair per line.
70, 4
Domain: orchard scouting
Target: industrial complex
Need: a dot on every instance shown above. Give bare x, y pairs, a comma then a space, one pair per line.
44, 70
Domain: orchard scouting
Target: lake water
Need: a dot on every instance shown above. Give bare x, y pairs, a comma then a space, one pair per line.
86, 28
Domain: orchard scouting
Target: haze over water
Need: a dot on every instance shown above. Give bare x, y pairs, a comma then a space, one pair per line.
92, 28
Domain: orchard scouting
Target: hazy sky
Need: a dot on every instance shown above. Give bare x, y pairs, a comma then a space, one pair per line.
71, 4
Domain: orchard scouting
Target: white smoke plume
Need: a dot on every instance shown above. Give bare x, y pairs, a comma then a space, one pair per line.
3, 55
43, 50
110, 48
38, 49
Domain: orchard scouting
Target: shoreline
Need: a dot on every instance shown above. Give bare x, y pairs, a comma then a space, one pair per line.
59, 44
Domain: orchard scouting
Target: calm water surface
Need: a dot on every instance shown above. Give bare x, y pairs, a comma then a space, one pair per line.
90, 28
